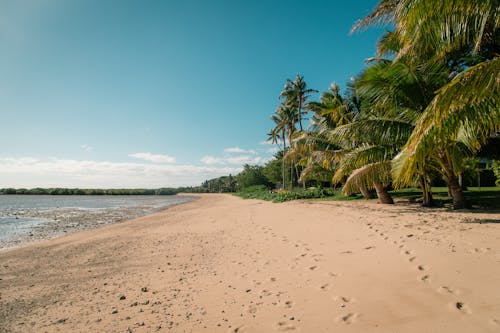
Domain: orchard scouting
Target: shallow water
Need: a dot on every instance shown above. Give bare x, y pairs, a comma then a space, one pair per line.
25, 218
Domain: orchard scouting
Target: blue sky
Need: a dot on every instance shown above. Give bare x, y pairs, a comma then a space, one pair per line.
158, 93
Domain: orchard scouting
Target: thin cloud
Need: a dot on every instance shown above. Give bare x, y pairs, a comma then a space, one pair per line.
155, 158
211, 160
238, 150
269, 143
273, 150
86, 147
233, 160
53, 172
245, 159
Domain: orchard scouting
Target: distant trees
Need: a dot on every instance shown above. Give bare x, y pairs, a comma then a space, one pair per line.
252, 175
79, 191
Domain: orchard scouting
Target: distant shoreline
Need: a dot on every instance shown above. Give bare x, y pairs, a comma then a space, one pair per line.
88, 191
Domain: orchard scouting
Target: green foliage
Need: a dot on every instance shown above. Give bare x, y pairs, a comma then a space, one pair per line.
495, 167
79, 191
282, 196
251, 175
222, 184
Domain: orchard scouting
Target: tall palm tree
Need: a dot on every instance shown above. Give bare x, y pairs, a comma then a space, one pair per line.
275, 135
295, 94
285, 120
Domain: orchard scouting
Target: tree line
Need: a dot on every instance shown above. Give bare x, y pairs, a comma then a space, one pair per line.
424, 111
79, 191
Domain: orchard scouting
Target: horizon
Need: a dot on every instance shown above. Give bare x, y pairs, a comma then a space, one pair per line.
151, 95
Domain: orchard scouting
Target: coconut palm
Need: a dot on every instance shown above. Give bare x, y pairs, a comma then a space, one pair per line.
462, 35
295, 94
285, 120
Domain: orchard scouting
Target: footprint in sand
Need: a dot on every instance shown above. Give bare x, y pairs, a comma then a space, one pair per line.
462, 307
288, 304
285, 326
425, 278
421, 268
312, 268
445, 289
495, 321
239, 329
369, 247
344, 300
348, 318
252, 309
325, 287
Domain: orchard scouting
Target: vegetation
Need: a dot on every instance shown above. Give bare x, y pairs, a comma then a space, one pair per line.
79, 191
421, 113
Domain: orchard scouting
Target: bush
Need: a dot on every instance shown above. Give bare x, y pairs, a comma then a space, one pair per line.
495, 167
282, 196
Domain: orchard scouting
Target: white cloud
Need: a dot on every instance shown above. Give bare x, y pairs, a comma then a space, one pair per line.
86, 147
268, 143
245, 159
273, 150
211, 160
53, 172
233, 160
238, 150
156, 158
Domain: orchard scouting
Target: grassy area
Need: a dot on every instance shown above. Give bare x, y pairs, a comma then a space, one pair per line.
483, 197
282, 196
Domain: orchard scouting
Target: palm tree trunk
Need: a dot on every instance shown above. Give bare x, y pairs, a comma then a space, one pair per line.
365, 192
428, 201
383, 196
456, 192
454, 187
299, 115
296, 171
283, 160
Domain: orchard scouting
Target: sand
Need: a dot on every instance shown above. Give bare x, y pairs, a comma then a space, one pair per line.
223, 264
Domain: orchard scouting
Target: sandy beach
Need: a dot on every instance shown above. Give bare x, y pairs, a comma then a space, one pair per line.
223, 264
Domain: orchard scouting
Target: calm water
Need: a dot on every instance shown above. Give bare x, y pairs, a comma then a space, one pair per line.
23, 215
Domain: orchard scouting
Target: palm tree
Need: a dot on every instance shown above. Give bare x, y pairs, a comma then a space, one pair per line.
285, 119
295, 95
462, 35
332, 108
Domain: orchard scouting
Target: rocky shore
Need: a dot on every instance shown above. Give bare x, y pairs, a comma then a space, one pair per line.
55, 222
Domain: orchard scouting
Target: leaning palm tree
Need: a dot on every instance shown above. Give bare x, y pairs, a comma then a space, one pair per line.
462, 35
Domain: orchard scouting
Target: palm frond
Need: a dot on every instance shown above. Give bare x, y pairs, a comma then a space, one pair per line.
379, 172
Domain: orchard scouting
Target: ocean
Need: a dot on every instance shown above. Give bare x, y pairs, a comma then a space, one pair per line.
25, 218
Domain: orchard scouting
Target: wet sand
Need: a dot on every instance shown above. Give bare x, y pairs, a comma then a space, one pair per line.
223, 264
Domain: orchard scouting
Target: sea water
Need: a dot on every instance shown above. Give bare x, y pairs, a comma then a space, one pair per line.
43, 216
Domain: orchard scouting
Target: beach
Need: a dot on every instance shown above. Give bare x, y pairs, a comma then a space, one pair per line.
224, 264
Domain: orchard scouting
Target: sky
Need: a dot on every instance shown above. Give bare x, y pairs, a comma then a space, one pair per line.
130, 93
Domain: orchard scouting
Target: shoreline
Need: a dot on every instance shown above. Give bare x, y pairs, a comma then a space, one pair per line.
223, 264
60, 221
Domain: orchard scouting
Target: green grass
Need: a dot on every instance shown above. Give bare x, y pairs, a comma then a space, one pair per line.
482, 197
476, 197
279, 196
